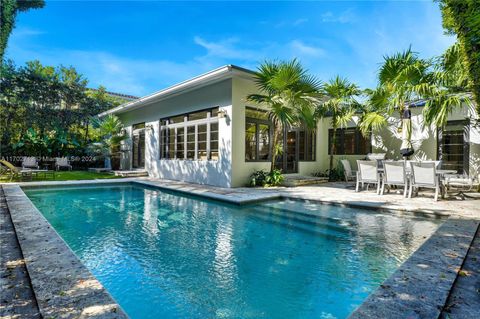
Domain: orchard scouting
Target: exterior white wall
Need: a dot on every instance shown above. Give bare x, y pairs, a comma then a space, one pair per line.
210, 172
389, 140
241, 169
231, 170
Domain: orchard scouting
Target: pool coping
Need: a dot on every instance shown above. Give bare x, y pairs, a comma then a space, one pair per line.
62, 285
419, 288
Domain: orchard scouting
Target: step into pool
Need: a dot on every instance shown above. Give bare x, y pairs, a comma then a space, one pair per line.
163, 254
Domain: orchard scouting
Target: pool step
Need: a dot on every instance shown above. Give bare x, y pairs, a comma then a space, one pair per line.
294, 180
292, 224
315, 226
315, 216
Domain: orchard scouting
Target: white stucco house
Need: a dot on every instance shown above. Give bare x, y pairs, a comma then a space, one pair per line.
204, 131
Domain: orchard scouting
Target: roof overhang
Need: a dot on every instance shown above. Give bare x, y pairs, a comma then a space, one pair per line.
217, 75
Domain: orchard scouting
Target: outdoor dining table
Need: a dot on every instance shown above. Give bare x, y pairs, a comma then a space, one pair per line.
440, 172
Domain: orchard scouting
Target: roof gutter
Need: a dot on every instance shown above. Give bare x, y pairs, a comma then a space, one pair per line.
204, 79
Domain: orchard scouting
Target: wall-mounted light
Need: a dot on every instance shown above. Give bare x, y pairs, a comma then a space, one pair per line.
222, 114
149, 127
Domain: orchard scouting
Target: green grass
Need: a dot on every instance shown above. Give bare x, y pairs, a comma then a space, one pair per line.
68, 176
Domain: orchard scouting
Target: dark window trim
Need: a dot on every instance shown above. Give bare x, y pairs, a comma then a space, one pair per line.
185, 118
466, 140
314, 149
257, 122
341, 141
186, 113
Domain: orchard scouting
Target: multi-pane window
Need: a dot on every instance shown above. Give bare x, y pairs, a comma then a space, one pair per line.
192, 136
453, 146
349, 141
259, 132
257, 135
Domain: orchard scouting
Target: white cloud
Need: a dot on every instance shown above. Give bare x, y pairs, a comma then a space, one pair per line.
226, 49
346, 16
139, 76
299, 22
26, 32
303, 49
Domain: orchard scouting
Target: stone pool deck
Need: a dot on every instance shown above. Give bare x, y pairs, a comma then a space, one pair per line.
433, 282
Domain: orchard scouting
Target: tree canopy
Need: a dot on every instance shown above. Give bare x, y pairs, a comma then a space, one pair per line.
8, 14
46, 110
462, 18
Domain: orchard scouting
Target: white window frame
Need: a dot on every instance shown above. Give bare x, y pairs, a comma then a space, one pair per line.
186, 123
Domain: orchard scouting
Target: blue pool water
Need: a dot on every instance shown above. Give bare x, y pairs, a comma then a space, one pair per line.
166, 255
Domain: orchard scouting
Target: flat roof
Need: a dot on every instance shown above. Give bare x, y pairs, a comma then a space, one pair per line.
216, 75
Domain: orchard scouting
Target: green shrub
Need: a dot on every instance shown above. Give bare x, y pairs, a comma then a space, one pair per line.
258, 178
265, 179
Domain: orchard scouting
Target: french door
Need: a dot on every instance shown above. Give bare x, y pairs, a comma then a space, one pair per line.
138, 146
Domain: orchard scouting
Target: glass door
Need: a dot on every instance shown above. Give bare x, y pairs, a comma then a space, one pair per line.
287, 161
138, 146
290, 149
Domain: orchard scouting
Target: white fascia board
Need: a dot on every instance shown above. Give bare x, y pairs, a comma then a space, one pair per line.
216, 75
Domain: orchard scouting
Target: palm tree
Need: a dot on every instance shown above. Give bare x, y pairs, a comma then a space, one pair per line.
340, 105
403, 77
374, 111
446, 88
111, 134
289, 94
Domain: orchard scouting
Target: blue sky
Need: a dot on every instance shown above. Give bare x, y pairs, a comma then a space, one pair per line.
143, 46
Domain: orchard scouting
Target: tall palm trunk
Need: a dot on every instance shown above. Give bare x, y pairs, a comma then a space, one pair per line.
277, 130
333, 149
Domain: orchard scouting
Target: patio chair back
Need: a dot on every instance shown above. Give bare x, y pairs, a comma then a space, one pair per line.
30, 162
438, 164
368, 170
9, 166
395, 172
347, 169
379, 157
424, 174
61, 161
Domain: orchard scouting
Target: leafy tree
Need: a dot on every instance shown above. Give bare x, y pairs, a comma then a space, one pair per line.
48, 103
8, 13
289, 94
462, 18
340, 105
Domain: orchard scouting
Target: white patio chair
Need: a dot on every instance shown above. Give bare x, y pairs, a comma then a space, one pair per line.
347, 171
395, 173
62, 162
376, 156
379, 157
438, 164
461, 183
424, 175
368, 174
30, 162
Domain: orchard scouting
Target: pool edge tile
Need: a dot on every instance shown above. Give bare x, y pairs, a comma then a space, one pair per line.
63, 286
420, 287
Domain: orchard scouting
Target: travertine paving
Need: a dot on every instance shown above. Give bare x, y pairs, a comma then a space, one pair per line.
16, 295
464, 299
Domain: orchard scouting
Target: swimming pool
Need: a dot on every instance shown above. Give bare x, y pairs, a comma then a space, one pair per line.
166, 255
